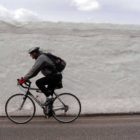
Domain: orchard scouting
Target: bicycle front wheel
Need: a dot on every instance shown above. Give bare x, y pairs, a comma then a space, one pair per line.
66, 107
20, 109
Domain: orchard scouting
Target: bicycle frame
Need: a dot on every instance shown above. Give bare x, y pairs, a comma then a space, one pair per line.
28, 93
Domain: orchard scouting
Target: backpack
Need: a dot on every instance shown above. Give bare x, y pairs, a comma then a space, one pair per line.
60, 64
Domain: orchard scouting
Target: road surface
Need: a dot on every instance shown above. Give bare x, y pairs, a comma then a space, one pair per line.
85, 128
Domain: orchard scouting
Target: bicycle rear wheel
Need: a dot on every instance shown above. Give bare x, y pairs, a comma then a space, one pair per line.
66, 108
20, 109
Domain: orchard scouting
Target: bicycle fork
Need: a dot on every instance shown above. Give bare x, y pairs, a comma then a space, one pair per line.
24, 99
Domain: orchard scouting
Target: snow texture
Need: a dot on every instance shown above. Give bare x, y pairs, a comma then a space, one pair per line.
103, 62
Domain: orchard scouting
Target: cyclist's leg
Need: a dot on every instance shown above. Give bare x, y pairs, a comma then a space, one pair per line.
41, 83
51, 80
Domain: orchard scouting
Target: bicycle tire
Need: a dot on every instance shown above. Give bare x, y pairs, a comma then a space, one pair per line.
13, 103
72, 108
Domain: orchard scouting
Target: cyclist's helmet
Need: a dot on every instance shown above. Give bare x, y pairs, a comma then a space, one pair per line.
35, 49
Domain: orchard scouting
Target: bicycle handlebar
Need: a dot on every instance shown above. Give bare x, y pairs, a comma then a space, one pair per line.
27, 83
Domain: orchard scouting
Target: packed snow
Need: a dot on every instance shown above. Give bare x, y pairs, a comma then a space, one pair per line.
103, 62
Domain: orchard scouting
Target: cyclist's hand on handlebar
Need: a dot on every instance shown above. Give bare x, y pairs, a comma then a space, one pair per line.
21, 81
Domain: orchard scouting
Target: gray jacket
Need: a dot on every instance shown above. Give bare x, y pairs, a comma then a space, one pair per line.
43, 64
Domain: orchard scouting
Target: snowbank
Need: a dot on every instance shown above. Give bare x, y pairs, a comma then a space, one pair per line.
103, 61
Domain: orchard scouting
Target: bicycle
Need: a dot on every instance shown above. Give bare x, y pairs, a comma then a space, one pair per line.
21, 108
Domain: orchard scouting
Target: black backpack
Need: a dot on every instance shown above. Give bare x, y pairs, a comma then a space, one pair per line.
60, 64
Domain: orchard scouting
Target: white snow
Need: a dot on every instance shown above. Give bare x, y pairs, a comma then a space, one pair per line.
103, 62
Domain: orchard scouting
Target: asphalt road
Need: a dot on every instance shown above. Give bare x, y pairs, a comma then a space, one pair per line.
85, 128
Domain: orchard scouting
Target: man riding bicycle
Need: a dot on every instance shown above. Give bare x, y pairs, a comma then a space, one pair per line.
64, 107
43, 63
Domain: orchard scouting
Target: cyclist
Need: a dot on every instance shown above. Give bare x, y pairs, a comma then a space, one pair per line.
44, 64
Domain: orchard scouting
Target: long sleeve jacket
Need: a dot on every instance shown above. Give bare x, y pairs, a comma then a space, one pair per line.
43, 64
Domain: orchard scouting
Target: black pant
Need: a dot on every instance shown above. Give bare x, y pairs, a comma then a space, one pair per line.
51, 80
